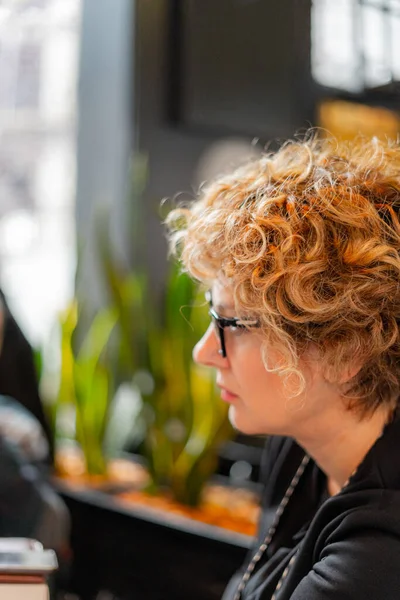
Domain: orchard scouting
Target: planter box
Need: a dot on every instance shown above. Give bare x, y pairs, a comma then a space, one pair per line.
137, 553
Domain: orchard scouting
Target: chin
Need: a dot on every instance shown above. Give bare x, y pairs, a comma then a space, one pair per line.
243, 423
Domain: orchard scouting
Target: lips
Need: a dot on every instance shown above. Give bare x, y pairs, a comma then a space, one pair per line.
227, 395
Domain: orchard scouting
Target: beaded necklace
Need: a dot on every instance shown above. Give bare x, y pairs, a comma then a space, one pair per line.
271, 532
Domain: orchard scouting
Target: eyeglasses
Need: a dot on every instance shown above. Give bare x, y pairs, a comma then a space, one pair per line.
220, 323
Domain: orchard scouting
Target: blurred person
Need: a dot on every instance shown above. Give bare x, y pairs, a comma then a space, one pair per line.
20, 428
300, 253
29, 507
18, 377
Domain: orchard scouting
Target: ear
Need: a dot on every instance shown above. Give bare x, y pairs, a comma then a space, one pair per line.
342, 376
349, 372
351, 368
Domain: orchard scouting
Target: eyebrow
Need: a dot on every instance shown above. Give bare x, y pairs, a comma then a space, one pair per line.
220, 307
223, 308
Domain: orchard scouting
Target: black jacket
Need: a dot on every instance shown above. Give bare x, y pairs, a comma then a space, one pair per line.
348, 545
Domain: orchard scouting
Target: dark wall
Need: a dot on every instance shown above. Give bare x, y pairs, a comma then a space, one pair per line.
245, 66
206, 71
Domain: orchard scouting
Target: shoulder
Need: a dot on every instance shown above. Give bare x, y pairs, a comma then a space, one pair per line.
355, 512
359, 557
365, 514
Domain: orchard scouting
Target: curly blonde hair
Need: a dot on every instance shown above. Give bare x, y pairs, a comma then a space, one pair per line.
309, 237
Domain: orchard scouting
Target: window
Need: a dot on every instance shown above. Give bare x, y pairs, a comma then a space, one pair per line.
356, 43
38, 64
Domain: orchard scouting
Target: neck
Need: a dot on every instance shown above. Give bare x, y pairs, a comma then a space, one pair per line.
341, 444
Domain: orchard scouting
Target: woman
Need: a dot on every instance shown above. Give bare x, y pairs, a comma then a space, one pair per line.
300, 253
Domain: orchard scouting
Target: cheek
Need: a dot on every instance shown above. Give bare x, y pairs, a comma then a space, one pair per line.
260, 387
253, 359
252, 374
256, 383
261, 374
263, 385
261, 408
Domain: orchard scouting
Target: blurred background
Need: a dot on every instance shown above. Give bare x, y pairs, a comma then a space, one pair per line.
196, 87
107, 107
39, 63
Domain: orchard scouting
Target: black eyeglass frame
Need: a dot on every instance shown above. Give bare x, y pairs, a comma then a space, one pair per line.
223, 322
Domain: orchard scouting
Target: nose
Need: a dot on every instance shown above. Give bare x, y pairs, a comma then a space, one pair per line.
206, 351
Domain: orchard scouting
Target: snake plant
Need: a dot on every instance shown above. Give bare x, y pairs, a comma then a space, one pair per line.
184, 420
86, 382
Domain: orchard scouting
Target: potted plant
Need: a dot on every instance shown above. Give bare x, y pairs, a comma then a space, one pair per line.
184, 421
134, 342
84, 383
